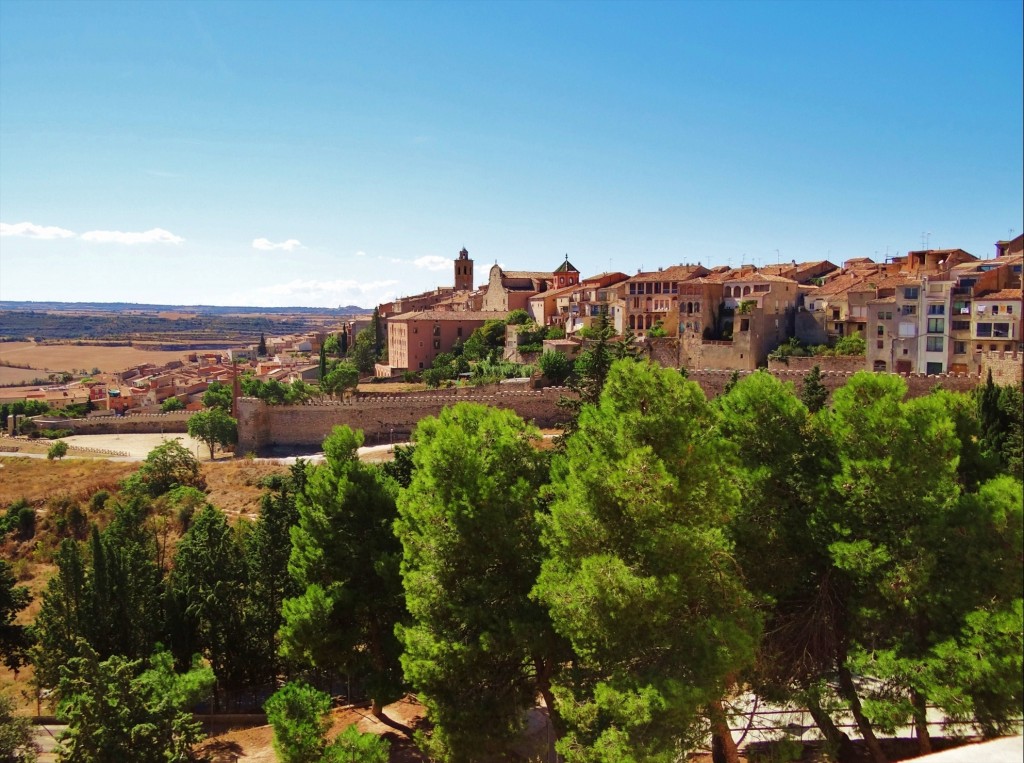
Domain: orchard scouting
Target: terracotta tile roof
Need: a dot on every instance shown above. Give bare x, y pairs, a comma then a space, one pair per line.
672, 273
757, 277
527, 274
1002, 294
445, 315
838, 285
610, 277
556, 292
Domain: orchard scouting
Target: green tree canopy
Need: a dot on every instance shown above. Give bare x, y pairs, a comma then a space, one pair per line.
364, 352
171, 404
57, 451
110, 600
555, 366
213, 427
117, 710
485, 341
814, 393
218, 395
207, 588
639, 575
477, 650
14, 638
301, 719
341, 379
517, 317
167, 466
344, 561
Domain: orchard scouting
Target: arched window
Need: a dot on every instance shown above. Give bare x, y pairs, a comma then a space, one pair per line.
632, 321
746, 290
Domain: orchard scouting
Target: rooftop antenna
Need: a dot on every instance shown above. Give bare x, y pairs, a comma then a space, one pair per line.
926, 237
778, 257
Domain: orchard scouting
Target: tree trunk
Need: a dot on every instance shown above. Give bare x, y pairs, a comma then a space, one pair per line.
849, 693
836, 738
543, 668
723, 746
924, 740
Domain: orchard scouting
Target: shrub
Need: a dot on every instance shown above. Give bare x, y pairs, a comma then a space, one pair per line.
555, 366
57, 451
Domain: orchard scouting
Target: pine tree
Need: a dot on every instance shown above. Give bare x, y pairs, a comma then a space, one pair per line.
814, 393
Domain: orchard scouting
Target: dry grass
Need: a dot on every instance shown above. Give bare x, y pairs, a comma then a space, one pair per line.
63, 357
231, 485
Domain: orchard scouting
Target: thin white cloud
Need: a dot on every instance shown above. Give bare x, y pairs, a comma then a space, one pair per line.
31, 230
313, 293
152, 236
360, 254
432, 262
266, 245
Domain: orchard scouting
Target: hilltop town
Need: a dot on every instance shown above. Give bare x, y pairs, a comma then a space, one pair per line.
931, 312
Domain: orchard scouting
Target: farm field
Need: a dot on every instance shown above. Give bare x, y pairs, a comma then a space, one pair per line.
64, 357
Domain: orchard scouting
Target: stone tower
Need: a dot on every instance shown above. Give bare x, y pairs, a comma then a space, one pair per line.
463, 272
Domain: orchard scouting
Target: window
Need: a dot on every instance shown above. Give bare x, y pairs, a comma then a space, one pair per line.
910, 292
1001, 330
933, 369
888, 315
908, 310
1009, 309
983, 330
936, 309
933, 344
881, 315
437, 330
881, 331
959, 348
437, 344
995, 309
880, 344
936, 325
961, 325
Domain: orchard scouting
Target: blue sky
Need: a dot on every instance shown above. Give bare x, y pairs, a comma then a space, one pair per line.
329, 153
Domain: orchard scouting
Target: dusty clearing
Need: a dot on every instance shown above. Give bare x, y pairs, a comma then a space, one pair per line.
64, 357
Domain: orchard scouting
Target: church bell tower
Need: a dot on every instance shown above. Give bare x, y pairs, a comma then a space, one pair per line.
463, 272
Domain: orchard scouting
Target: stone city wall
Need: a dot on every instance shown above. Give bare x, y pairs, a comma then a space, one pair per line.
140, 423
392, 418
840, 363
1006, 367
382, 418
713, 382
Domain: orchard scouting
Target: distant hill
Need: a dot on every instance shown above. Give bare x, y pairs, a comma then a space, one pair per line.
120, 307
168, 325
